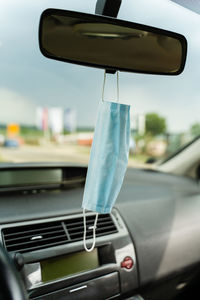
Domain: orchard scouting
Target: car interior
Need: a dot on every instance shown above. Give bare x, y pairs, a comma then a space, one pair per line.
148, 247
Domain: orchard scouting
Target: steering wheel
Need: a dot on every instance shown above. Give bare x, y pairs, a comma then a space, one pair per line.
11, 285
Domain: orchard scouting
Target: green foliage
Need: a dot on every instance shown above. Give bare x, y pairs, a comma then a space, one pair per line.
28, 131
195, 129
155, 124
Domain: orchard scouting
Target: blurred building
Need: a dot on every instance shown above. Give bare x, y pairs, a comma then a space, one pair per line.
141, 124
56, 120
70, 120
42, 118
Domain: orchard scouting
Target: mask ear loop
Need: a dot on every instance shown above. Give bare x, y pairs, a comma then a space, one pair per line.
104, 83
85, 231
117, 86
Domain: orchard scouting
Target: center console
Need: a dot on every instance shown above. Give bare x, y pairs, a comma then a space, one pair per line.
67, 271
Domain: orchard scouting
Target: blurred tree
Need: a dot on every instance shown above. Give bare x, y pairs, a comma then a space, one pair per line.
195, 129
155, 124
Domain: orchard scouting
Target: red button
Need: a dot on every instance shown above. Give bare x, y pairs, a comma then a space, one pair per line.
127, 263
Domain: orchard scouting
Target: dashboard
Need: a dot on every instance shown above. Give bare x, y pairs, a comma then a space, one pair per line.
147, 248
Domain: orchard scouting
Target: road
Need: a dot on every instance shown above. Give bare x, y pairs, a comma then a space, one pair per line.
51, 153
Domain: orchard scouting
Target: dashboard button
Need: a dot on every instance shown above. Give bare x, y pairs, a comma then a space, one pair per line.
127, 263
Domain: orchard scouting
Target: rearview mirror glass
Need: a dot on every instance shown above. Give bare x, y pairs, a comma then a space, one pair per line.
110, 43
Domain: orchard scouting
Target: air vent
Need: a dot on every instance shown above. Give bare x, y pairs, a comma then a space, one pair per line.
44, 235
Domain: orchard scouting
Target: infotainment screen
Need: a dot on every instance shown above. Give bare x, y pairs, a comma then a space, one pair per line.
62, 266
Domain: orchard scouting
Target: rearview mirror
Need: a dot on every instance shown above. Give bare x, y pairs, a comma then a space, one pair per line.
111, 44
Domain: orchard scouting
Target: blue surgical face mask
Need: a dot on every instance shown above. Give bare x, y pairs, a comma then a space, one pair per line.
108, 159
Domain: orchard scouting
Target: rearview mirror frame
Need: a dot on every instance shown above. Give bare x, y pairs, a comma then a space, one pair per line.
114, 21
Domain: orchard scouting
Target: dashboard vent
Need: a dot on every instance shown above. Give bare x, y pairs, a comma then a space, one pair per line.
44, 235
105, 226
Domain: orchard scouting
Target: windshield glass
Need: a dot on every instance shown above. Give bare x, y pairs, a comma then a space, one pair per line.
48, 108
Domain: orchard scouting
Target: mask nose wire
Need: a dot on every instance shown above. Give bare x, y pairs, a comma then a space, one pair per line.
85, 232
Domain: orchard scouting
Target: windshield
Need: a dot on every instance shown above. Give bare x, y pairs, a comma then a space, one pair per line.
48, 108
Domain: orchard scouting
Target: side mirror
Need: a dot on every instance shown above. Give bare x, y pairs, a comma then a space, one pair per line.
151, 160
109, 43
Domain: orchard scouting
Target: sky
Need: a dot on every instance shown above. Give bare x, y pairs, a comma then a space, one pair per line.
28, 79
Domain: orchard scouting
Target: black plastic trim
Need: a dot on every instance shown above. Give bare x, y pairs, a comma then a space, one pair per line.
108, 7
112, 21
